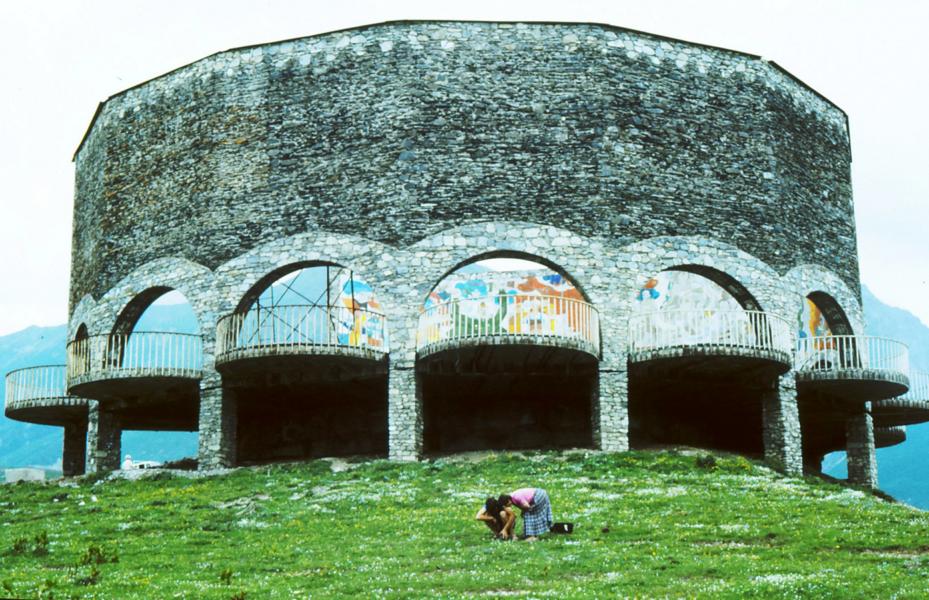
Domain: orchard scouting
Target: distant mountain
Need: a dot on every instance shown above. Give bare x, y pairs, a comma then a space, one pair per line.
902, 469
23, 444
26, 444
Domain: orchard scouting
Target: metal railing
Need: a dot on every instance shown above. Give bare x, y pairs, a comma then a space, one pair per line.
143, 353
525, 315
919, 387
296, 326
842, 352
46, 382
749, 329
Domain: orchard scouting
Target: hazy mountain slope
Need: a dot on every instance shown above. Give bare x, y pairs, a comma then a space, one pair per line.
26, 444
902, 470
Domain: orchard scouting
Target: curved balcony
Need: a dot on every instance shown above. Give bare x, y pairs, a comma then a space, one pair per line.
153, 377
885, 437
852, 368
39, 395
909, 409
301, 331
712, 340
476, 325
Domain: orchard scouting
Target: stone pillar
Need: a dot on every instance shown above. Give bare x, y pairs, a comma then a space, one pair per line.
781, 426
74, 453
218, 423
404, 413
104, 437
859, 447
610, 410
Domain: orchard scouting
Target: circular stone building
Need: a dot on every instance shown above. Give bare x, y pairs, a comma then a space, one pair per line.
326, 209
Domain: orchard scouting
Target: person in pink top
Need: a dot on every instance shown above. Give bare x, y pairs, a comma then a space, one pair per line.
536, 509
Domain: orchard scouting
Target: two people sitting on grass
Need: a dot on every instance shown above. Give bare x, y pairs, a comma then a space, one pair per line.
534, 505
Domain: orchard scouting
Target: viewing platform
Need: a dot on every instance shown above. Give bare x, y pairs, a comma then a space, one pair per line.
909, 409
507, 330
852, 368
301, 330
40, 395
885, 437
150, 378
707, 341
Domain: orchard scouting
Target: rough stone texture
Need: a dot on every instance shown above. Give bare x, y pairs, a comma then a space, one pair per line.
782, 447
405, 415
218, 421
611, 411
405, 150
859, 439
104, 440
74, 452
400, 129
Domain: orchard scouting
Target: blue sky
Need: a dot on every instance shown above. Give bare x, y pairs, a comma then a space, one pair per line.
61, 58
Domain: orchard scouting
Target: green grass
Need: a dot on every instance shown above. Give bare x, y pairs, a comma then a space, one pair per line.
647, 525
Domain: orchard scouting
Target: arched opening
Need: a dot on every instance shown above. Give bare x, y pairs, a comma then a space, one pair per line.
822, 315
702, 356
158, 419
507, 356
305, 353
823, 413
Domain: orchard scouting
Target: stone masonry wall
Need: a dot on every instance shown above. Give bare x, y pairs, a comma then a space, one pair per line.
396, 132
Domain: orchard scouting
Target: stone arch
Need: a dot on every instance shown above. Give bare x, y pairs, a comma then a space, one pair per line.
126, 301
239, 277
129, 315
839, 302
517, 255
81, 333
723, 280
754, 282
572, 254
81, 315
249, 298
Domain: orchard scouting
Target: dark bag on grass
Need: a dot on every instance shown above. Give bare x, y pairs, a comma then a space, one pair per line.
562, 527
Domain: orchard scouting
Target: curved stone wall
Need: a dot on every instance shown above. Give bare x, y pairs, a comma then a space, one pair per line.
396, 132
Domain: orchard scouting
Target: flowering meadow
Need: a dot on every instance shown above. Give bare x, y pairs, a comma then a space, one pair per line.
647, 525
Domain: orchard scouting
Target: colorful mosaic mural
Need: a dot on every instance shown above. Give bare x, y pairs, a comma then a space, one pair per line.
363, 321
514, 302
811, 323
687, 307
679, 290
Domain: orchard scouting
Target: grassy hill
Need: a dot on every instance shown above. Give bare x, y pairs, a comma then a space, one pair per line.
667, 524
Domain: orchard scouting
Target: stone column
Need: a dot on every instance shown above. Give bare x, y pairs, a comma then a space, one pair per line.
74, 453
218, 423
610, 410
404, 413
859, 447
781, 426
104, 437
